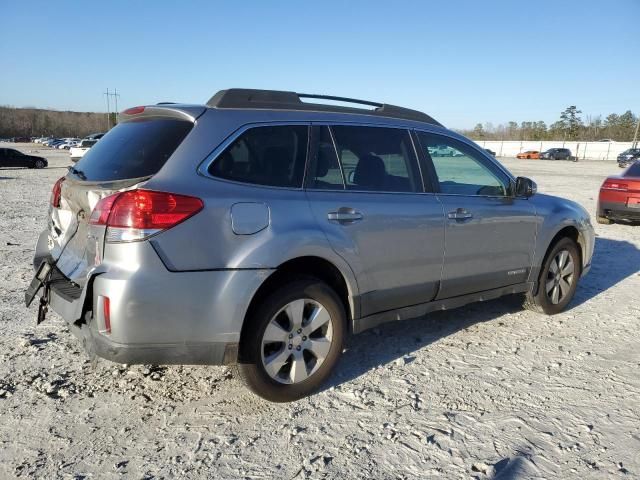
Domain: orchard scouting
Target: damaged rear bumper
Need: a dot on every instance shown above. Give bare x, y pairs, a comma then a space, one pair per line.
157, 316
96, 344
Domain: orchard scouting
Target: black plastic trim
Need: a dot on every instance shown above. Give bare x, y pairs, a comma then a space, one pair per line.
244, 98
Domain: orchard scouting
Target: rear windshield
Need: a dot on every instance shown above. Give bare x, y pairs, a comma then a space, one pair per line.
133, 149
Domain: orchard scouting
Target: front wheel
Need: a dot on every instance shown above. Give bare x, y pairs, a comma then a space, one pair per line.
558, 279
39, 164
292, 341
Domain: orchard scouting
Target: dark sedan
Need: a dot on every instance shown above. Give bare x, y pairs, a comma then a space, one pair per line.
10, 157
557, 154
628, 157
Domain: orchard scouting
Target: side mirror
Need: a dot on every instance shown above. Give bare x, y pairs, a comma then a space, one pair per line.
525, 187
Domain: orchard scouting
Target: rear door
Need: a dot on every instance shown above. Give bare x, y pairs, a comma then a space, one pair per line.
489, 234
126, 157
366, 194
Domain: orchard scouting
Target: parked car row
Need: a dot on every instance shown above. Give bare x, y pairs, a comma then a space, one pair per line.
551, 154
15, 140
77, 147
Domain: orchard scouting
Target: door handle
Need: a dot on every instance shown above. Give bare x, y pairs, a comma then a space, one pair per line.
460, 214
345, 215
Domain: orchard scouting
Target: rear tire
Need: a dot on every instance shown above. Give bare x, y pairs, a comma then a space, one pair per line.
603, 220
292, 341
558, 278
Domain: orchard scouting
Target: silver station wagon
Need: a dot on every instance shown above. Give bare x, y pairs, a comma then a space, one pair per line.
262, 228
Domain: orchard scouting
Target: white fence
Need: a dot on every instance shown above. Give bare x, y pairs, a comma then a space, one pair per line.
583, 150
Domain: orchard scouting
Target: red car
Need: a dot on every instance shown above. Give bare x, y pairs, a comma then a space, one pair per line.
619, 197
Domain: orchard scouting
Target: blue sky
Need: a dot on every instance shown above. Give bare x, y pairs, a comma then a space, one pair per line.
462, 61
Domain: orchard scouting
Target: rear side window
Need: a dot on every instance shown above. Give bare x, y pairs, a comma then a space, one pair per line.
270, 155
377, 159
133, 149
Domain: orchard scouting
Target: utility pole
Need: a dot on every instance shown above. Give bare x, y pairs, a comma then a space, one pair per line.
115, 96
108, 110
635, 135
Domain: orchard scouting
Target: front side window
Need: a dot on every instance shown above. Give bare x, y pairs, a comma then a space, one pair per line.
269, 155
377, 159
462, 171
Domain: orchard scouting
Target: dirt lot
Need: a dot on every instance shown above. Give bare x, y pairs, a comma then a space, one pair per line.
467, 393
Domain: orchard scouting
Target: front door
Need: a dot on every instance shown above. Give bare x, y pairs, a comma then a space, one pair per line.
366, 194
489, 234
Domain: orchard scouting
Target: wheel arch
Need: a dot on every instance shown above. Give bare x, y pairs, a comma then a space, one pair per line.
309, 266
566, 231
572, 232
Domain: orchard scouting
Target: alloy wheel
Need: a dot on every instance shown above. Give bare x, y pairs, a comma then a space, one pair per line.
560, 277
296, 341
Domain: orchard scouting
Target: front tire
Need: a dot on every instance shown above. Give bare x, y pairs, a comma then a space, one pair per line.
39, 164
558, 279
292, 341
603, 220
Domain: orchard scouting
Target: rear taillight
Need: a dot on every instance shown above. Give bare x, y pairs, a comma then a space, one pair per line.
56, 193
137, 214
614, 185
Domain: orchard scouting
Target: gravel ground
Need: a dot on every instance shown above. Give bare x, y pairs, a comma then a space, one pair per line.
482, 391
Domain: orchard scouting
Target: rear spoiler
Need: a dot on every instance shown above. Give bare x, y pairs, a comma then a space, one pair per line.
166, 110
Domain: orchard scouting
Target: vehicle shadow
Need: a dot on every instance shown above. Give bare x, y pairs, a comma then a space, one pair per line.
396, 340
613, 261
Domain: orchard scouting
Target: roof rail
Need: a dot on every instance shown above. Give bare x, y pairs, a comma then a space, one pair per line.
282, 100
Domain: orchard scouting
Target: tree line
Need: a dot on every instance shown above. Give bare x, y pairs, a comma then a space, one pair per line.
35, 122
570, 126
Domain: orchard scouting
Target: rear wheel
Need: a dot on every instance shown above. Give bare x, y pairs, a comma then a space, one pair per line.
603, 220
292, 341
558, 279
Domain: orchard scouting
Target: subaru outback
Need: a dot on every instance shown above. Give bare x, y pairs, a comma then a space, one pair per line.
262, 228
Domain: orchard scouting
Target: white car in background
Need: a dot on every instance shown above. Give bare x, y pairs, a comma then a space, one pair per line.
78, 151
68, 143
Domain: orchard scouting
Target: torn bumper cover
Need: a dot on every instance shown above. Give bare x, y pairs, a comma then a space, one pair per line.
203, 328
